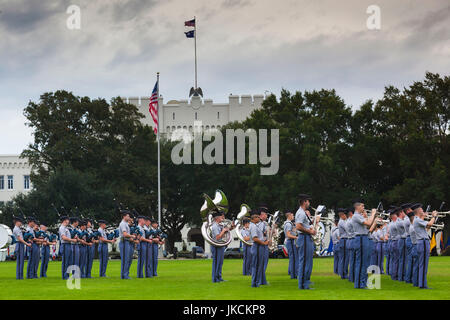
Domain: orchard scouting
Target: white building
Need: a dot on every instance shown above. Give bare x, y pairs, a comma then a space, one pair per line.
181, 114
14, 177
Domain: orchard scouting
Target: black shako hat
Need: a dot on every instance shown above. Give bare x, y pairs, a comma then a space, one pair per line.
416, 206
17, 219
304, 196
406, 206
64, 218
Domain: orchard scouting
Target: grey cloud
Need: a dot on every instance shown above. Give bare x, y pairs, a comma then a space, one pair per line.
20, 16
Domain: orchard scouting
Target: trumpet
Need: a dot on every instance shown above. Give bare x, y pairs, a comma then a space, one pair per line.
428, 215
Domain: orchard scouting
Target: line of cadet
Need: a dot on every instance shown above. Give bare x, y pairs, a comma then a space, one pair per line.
299, 231
360, 242
78, 241
34, 242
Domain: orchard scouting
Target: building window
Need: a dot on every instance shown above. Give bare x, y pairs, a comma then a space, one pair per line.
10, 182
196, 116
218, 115
26, 182
173, 116
2, 182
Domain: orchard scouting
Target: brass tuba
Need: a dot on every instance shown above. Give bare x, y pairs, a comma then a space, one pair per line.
245, 212
219, 203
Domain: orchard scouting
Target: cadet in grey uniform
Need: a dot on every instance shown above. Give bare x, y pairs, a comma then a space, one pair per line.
247, 249
408, 244
125, 245
305, 244
395, 236
264, 226
66, 250
335, 238
290, 233
414, 272
350, 244
20, 247
361, 225
103, 247
343, 256
403, 233
423, 242
90, 249
217, 232
256, 237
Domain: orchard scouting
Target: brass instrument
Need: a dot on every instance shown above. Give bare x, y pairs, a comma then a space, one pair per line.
220, 203
245, 212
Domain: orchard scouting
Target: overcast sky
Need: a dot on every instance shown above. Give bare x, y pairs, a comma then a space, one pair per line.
244, 47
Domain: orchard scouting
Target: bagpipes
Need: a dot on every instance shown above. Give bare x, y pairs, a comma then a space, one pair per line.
112, 234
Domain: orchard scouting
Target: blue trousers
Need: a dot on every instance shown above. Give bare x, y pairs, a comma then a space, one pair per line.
336, 258
380, 255
305, 251
66, 252
155, 259
343, 258
125, 252
362, 251
217, 263
394, 260
415, 266
45, 257
423, 253
142, 258
401, 243
257, 264
149, 261
103, 258
266, 262
293, 258
90, 250
20, 258
33, 261
75, 256
351, 259
409, 262
373, 252
247, 262
83, 260
387, 251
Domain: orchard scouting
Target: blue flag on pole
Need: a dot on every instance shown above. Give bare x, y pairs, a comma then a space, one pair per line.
190, 34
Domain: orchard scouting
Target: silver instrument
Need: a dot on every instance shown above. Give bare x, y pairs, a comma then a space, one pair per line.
219, 203
319, 227
5, 236
274, 233
245, 212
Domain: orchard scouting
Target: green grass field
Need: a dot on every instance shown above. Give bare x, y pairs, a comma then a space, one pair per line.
191, 279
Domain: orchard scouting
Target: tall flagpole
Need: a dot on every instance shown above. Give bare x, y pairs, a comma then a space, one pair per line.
159, 164
195, 49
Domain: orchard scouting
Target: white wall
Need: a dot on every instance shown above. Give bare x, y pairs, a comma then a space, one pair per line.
18, 168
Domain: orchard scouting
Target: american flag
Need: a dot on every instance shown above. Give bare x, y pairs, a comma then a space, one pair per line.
153, 107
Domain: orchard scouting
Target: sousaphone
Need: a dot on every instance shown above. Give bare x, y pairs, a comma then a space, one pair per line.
245, 212
219, 203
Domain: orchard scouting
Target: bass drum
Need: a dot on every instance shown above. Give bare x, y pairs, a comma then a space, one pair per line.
5, 236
